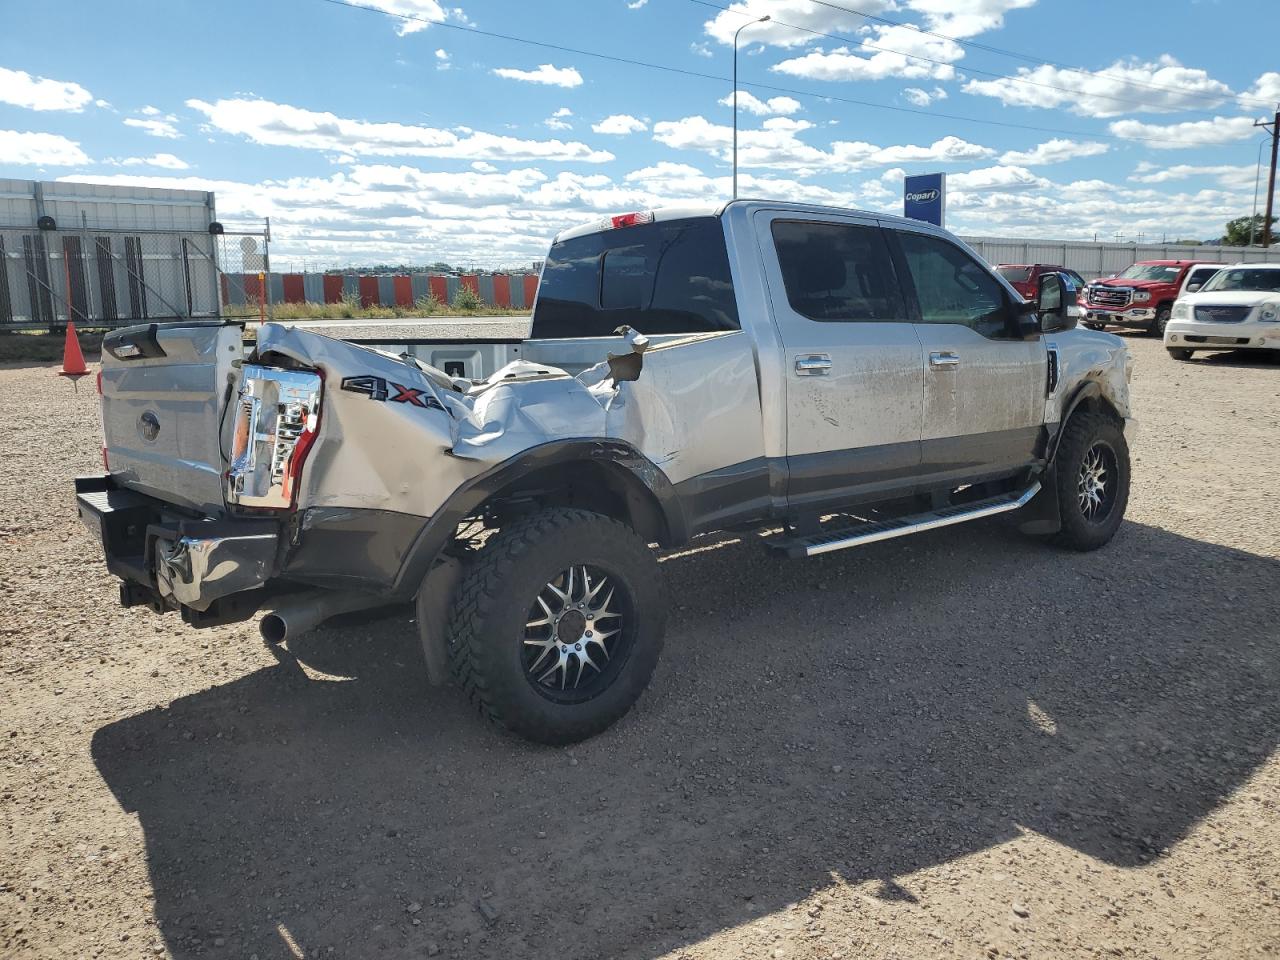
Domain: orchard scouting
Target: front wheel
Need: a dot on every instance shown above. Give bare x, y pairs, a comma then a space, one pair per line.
1178, 353
1092, 468
558, 625
1162, 319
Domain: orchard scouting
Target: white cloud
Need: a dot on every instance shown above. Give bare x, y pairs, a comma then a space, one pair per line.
545, 74
420, 10
995, 178
922, 98
1266, 89
39, 150
800, 13
277, 124
956, 18
636, 4
892, 51
1190, 133
966, 18
1057, 150
166, 161
701, 49
777, 144
558, 120
620, 124
752, 104
150, 111
1229, 176
443, 61
484, 167
1124, 87
21, 89
163, 128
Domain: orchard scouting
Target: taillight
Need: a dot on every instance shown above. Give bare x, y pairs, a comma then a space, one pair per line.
277, 419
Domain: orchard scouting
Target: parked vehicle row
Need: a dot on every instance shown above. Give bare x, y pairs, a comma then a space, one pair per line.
844, 376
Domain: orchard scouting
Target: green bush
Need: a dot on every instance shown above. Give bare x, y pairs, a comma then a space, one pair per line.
467, 300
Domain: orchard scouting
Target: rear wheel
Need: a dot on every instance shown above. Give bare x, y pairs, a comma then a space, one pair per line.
1162, 319
1179, 353
1092, 467
558, 625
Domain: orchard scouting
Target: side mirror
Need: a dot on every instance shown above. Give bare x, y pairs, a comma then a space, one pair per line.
1193, 287
1056, 294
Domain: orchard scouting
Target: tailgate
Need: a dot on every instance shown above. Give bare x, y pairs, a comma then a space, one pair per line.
164, 389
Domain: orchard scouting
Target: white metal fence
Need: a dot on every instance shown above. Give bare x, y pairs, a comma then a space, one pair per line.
1094, 260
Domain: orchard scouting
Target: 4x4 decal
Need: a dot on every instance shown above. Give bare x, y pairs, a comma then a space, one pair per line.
376, 388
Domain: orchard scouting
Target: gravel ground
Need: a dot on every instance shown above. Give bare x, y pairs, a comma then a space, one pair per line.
965, 744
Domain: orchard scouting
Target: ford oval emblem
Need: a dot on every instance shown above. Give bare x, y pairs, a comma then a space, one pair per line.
149, 426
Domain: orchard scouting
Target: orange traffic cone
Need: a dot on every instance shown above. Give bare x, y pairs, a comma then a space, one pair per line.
72, 357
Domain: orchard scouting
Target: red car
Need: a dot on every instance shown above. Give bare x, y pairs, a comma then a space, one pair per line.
1025, 277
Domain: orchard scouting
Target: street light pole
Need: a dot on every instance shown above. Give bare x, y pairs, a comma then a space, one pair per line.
735, 97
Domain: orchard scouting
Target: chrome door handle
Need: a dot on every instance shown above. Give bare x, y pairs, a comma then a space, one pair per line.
813, 365
946, 359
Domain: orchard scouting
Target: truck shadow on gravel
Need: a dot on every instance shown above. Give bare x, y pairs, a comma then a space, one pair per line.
847, 719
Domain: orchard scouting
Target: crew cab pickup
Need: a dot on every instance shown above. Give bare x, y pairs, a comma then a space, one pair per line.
830, 377
1141, 297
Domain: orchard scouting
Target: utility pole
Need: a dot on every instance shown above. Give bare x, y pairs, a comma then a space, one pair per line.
1274, 127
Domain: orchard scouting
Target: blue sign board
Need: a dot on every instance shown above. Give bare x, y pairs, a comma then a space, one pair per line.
924, 197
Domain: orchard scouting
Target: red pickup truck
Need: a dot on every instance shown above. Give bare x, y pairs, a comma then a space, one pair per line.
1141, 297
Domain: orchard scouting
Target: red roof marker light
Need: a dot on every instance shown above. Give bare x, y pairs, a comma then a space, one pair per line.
631, 219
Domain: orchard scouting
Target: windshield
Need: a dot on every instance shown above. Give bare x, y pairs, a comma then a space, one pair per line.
1015, 274
1245, 278
1141, 271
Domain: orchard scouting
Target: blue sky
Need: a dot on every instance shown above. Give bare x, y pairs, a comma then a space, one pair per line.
366, 137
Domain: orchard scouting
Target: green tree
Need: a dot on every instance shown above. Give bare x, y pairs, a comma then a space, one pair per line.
1239, 230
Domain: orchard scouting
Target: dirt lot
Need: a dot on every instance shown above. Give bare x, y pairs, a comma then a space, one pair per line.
961, 745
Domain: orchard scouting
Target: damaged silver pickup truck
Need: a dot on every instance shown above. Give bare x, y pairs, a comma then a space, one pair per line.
832, 376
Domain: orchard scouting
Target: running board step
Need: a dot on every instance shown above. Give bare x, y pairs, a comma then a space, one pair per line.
870, 531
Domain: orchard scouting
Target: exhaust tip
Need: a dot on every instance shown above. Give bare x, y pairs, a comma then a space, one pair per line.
274, 629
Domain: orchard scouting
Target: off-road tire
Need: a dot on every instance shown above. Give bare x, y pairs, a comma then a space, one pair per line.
486, 627
1161, 319
1082, 432
1180, 353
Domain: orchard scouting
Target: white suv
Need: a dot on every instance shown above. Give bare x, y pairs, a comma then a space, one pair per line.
1237, 309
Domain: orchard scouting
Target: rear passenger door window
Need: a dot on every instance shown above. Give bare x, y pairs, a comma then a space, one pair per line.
837, 272
952, 287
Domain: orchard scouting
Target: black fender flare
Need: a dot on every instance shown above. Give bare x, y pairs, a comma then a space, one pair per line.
1042, 515
1088, 390
636, 469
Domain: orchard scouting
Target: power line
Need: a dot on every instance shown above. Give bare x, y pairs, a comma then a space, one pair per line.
945, 63
772, 88
1036, 60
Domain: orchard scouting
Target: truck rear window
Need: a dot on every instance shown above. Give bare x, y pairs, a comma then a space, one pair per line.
666, 277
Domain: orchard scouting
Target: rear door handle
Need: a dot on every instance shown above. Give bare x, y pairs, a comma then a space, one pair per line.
813, 365
943, 359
